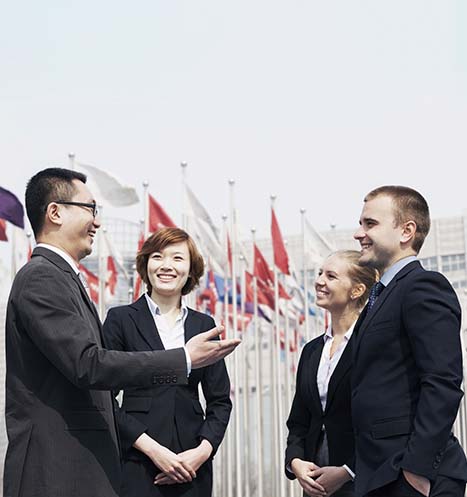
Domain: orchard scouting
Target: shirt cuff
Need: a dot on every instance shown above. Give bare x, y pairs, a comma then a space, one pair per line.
188, 362
351, 473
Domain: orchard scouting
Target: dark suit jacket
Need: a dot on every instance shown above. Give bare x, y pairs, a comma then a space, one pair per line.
406, 381
59, 413
169, 413
307, 418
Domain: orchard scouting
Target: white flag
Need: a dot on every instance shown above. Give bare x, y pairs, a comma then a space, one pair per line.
112, 191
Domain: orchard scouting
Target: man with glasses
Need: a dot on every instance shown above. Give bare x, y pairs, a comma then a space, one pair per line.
60, 414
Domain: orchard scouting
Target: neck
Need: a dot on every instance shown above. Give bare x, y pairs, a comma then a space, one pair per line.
343, 319
396, 258
167, 303
57, 244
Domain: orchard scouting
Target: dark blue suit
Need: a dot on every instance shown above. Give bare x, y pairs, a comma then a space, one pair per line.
406, 382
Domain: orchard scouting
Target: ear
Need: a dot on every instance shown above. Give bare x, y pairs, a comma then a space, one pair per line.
53, 214
408, 231
357, 291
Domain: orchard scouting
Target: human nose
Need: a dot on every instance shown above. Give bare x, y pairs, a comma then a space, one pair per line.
319, 281
97, 222
359, 234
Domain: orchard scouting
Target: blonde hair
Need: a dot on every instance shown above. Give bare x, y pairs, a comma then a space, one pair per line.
358, 274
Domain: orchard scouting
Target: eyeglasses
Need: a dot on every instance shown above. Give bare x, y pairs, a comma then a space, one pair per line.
93, 206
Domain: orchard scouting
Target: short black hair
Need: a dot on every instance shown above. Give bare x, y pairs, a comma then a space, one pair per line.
53, 183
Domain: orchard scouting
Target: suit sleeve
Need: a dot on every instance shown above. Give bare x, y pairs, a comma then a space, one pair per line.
299, 420
51, 318
431, 316
129, 427
216, 389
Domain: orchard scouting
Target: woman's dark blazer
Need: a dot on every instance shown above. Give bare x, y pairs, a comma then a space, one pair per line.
168, 412
307, 418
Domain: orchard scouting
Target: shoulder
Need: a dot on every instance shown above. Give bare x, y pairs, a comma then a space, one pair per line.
311, 346
204, 318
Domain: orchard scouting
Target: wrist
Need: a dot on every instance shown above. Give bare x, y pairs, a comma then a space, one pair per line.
206, 448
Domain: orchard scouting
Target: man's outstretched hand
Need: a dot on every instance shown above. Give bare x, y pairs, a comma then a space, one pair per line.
204, 349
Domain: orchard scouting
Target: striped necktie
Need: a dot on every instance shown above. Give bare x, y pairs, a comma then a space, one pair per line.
375, 291
84, 281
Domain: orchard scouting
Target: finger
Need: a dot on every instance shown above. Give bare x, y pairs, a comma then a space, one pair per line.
184, 473
165, 480
213, 333
315, 485
313, 492
189, 469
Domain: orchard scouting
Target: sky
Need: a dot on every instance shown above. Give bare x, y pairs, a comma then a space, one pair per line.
314, 101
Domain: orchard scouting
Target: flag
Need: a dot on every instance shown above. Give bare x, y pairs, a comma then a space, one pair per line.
111, 277
111, 189
209, 296
200, 213
262, 272
281, 259
3, 237
261, 268
158, 218
320, 247
93, 283
11, 208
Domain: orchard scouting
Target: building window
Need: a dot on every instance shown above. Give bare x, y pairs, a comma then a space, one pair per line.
455, 262
430, 263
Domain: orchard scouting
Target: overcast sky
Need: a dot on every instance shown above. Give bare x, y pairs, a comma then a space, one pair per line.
316, 101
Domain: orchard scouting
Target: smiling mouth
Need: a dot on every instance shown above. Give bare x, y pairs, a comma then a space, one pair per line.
320, 293
365, 246
166, 277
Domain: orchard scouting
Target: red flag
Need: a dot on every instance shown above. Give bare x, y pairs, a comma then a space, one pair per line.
264, 294
93, 283
262, 272
112, 275
261, 268
281, 259
3, 237
158, 218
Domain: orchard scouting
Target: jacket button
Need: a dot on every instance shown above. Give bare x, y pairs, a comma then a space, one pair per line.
435, 465
174, 379
167, 380
438, 458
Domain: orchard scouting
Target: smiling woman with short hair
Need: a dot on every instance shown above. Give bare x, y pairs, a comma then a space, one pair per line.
168, 439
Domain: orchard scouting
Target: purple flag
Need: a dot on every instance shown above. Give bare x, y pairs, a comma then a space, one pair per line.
11, 208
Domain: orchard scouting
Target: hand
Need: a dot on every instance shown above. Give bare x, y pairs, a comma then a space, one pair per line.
418, 482
331, 477
167, 461
303, 470
204, 350
194, 457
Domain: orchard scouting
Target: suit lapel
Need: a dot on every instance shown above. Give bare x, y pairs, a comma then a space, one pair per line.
66, 268
343, 366
192, 324
312, 375
145, 324
366, 318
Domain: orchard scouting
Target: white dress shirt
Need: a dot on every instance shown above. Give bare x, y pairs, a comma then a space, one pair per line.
326, 367
172, 338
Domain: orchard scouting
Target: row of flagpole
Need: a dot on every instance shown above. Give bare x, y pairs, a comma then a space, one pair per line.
262, 303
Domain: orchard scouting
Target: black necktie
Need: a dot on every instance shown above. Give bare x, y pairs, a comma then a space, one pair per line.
376, 289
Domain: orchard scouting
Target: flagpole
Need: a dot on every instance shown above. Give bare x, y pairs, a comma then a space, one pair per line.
237, 407
101, 269
71, 159
245, 381
146, 208
280, 408
305, 278
228, 360
258, 383
184, 166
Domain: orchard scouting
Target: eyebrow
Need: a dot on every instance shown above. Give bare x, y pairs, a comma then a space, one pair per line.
367, 219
